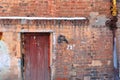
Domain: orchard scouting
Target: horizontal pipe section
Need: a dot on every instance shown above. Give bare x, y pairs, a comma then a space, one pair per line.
45, 18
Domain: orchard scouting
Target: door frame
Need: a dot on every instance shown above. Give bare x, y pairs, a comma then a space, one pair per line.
51, 53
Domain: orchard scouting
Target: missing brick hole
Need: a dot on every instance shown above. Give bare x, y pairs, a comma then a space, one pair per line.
1, 35
112, 23
118, 0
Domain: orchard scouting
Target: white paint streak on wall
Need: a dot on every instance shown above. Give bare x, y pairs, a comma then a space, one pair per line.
4, 57
54, 46
96, 63
19, 68
53, 56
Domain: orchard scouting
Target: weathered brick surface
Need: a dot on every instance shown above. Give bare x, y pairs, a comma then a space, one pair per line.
87, 56
66, 8
91, 55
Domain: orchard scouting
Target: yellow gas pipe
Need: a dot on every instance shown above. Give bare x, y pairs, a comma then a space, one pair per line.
114, 8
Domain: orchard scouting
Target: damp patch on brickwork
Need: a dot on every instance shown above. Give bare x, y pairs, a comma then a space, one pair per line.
97, 20
4, 58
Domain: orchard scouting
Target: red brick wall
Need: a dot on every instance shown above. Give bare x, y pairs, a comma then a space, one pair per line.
87, 56
68, 8
90, 58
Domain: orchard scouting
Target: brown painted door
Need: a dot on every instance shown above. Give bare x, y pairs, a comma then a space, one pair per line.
36, 56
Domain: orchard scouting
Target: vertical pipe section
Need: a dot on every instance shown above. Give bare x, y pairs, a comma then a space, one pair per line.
115, 58
114, 27
114, 8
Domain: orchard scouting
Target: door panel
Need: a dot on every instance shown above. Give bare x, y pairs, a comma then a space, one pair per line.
36, 56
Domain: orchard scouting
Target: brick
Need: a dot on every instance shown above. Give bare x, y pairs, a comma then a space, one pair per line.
58, 78
91, 55
87, 78
54, 8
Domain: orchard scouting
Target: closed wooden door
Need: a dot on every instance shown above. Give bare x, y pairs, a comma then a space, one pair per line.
36, 56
